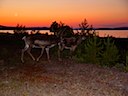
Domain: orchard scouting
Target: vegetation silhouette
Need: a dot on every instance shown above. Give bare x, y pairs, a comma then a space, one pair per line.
105, 51
61, 30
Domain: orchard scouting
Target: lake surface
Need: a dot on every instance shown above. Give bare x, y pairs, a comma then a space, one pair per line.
102, 33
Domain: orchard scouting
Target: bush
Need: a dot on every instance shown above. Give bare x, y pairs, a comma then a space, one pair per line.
109, 56
4, 53
126, 65
91, 50
96, 51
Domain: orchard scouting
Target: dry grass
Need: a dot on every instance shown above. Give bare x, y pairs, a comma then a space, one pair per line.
61, 79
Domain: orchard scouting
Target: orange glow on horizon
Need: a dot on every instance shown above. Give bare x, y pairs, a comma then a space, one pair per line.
101, 13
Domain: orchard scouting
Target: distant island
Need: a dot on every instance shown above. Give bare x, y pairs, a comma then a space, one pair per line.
47, 28
116, 28
26, 28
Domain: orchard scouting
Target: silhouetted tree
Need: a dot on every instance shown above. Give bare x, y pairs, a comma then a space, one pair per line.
61, 30
20, 29
87, 29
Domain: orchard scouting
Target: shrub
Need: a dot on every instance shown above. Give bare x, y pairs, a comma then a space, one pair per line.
91, 50
126, 65
109, 56
4, 53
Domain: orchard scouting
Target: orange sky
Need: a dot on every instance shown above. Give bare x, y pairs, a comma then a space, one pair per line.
100, 13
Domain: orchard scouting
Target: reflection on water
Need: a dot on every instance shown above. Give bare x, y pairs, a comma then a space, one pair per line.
114, 33
102, 33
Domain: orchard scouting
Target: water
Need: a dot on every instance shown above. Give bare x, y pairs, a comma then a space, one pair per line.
102, 33
114, 33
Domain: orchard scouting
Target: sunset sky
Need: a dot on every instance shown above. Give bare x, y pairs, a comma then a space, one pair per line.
99, 13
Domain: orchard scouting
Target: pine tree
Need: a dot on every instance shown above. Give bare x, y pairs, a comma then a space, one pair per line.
90, 50
93, 48
110, 54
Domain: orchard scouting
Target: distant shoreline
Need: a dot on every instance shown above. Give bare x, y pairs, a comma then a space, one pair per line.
73, 29
47, 28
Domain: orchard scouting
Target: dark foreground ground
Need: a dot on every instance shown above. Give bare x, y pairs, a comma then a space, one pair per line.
65, 78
